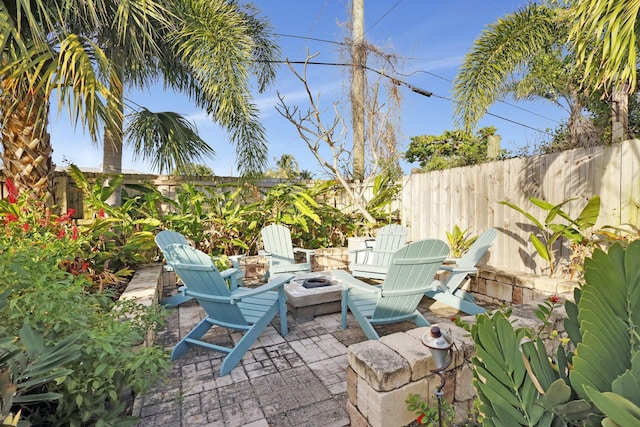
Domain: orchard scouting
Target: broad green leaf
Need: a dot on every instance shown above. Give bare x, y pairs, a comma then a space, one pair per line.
558, 393
589, 214
540, 247
620, 410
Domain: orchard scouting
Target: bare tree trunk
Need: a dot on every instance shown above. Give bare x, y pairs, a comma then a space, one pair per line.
357, 89
620, 115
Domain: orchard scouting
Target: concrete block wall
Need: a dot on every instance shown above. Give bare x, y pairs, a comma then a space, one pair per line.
145, 288
382, 374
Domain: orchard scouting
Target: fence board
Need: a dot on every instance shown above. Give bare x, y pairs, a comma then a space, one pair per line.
469, 197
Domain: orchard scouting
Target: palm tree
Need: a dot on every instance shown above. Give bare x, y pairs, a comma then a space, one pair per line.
287, 166
523, 54
203, 48
207, 51
39, 56
605, 41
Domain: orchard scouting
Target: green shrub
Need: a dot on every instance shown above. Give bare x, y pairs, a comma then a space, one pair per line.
45, 272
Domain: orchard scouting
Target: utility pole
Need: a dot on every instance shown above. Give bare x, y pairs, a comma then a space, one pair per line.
358, 59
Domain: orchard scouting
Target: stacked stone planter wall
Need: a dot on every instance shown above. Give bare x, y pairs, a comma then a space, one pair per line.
382, 374
511, 287
146, 288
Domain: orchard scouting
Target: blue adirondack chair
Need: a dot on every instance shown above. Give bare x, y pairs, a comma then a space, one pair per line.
450, 292
244, 309
279, 251
388, 240
169, 237
411, 272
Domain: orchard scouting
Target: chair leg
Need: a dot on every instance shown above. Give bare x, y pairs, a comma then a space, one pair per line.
419, 320
344, 308
245, 343
282, 308
175, 300
195, 334
459, 303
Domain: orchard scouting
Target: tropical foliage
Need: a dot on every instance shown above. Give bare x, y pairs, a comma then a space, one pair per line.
83, 52
527, 55
70, 367
591, 379
450, 149
548, 232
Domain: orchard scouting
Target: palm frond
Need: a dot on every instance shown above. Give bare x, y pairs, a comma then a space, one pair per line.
167, 139
498, 53
604, 37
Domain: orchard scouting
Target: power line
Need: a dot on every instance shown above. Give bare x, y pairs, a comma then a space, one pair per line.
498, 100
411, 87
420, 71
382, 17
309, 38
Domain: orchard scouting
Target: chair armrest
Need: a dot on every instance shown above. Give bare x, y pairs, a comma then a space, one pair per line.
348, 282
230, 272
307, 252
264, 253
274, 283
470, 270
235, 260
233, 276
206, 297
355, 251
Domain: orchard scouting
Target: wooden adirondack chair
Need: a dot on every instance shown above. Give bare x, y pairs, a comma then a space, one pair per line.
169, 237
279, 251
388, 240
244, 309
450, 292
411, 272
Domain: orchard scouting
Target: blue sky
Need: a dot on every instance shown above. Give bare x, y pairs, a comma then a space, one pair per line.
432, 37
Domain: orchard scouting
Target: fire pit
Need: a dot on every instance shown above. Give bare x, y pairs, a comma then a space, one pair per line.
316, 282
313, 294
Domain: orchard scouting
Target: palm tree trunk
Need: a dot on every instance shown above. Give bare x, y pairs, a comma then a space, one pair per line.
26, 143
113, 140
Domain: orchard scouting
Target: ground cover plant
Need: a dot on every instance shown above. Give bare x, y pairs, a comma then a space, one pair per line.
49, 269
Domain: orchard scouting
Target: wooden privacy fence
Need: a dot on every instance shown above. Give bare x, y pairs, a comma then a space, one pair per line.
433, 203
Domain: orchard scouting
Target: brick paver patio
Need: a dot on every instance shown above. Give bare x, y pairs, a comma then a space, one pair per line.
297, 380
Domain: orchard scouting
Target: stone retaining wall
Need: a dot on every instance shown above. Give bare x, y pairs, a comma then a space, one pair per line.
146, 288
491, 285
495, 286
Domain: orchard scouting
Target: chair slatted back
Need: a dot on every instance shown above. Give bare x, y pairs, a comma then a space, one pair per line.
277, 241
479, 248
411, 272
169, 237
389, 239
198, 272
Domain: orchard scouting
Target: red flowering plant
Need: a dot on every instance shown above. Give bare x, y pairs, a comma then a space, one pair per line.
28, 222
94, 252
118, 237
